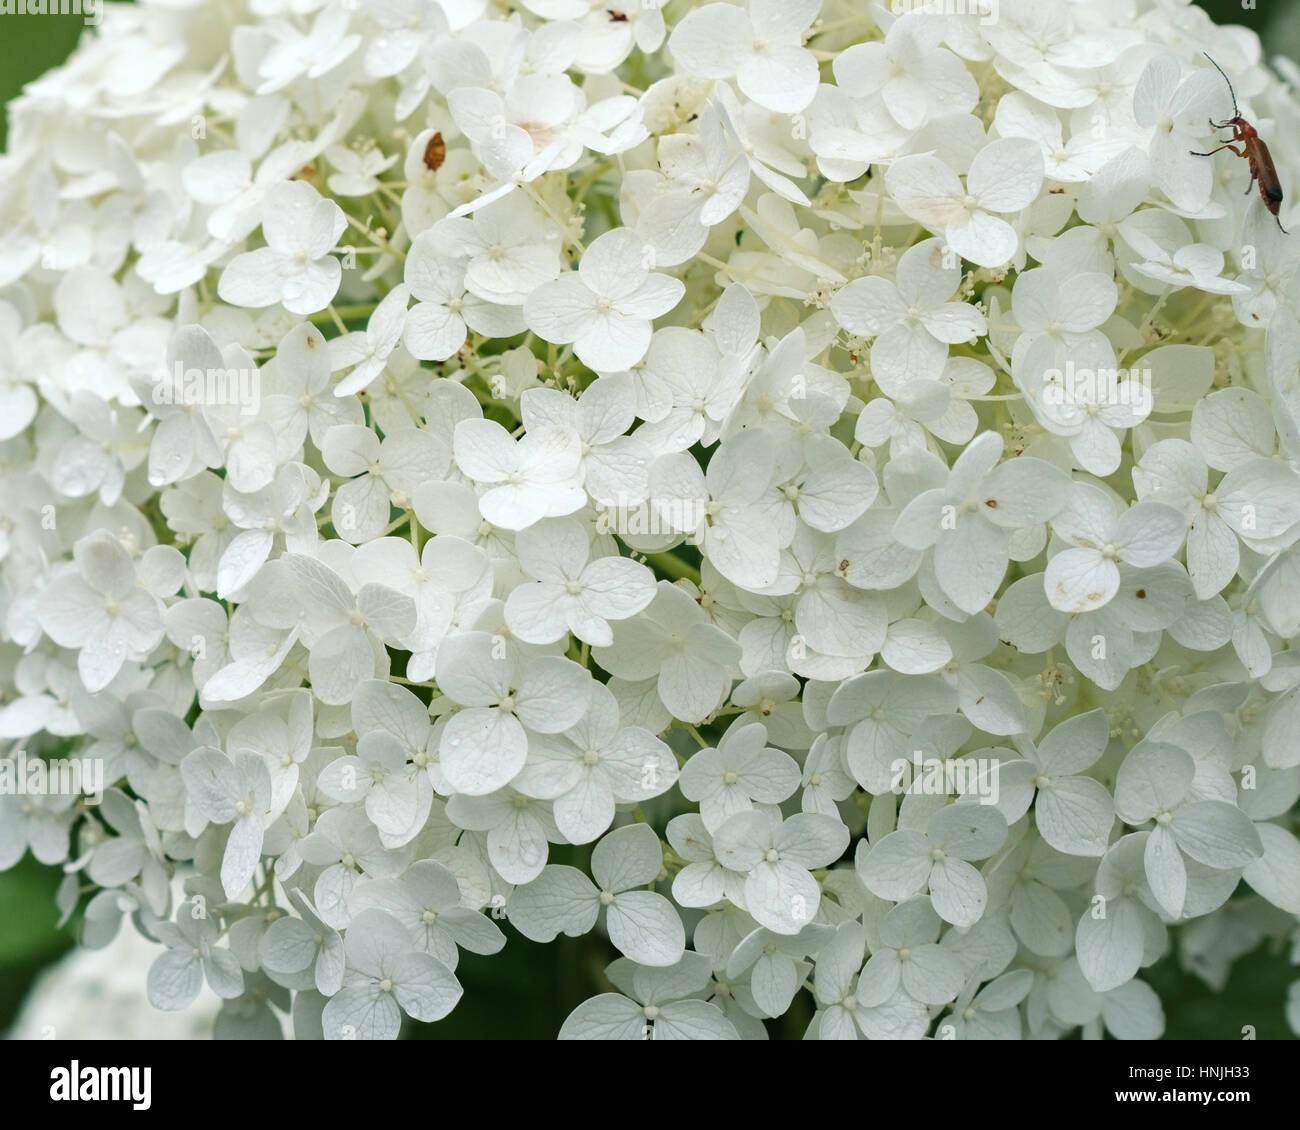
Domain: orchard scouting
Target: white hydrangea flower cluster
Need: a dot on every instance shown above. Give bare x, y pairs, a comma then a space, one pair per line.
805, 488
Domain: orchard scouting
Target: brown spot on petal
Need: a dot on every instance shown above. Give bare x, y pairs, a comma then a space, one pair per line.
1141, 594
991, 503
435, 153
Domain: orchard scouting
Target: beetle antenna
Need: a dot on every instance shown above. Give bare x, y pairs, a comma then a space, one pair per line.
1235, 112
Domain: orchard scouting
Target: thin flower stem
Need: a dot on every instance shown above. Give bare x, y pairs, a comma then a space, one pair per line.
376, 239
334, 313
674, 566
397, 524
692, 731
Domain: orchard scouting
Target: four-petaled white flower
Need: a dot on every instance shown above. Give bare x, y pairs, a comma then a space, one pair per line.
642, 924
295, 268
606, 307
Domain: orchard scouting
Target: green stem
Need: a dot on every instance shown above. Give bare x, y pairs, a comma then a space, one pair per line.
674, 566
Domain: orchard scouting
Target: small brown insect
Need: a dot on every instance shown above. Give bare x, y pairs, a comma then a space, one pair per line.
1253, 149
435, 153
991, 503
1056, 192
615, 17
844, 565
1141, 594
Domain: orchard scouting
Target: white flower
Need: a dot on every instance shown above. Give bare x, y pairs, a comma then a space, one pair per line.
1256, 502
1005, 176
291, 945
284, 509
1086, 575
40, 822
386, 474
730, 508
605, 308
366, 354
1073, 813
595, 765
1176, 110
569, 593
762, 47
776, 857
968, 521
691, 659
338, 627
317, 53
427, 900
912, 321
301, 371
662, 1006
842, 1016
937, 860
18, 401
642, 924
1019, 115
295, 268
436, 325
358, 173
906, 954
234, 791
484, 746
742, 769
535, 478
393, 729
508, 248
346, 846
1195, 264
384, 977
824, 782
98, 607
1155, 782
912, 74
449, 576
192, 956
704, 880
884, 710
687, 390
990, 1013
613, 465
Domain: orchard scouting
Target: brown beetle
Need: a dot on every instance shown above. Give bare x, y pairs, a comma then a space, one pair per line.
1253, 149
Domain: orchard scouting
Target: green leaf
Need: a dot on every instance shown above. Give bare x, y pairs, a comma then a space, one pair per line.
28, 915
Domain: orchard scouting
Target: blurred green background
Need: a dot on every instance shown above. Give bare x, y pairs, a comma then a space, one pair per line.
526, 991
